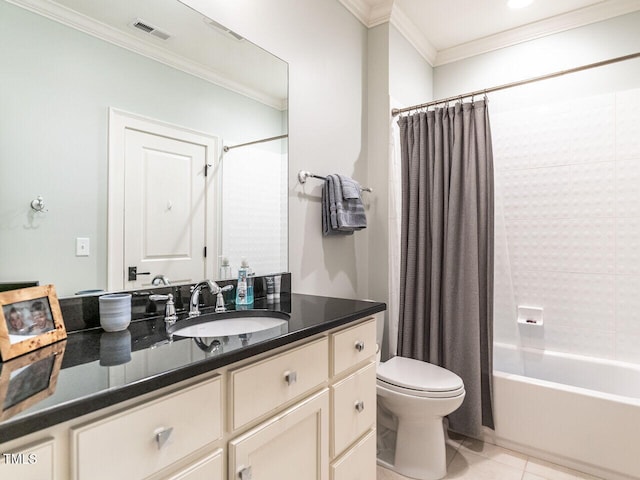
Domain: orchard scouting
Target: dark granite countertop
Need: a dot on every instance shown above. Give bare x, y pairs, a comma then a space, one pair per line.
94, 369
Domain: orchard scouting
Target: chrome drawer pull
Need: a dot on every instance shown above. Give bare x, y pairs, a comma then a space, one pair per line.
245, 473
359, 406
290, 377
162, 436
359, 346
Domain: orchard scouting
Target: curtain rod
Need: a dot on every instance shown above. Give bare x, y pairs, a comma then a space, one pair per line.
226, 148
397, 111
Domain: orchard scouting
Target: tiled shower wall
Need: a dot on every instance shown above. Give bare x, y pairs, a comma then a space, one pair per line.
568, 224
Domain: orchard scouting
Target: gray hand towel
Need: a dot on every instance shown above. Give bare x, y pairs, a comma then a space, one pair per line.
350, 214
329, 216
350, 188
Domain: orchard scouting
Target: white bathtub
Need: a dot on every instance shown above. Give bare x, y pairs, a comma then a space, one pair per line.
577, 411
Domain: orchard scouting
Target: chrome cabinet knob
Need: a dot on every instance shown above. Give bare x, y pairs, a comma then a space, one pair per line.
245, 473
291, 377
359, 345
162, 436
359, 406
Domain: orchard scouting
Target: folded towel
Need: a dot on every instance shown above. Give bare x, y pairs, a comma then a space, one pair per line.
350, 213
327, 228
350, 188
342, 209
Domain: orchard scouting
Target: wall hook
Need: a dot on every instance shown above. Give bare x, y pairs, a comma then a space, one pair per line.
38, 204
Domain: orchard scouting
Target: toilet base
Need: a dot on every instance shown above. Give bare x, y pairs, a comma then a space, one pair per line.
420, 442
420, 451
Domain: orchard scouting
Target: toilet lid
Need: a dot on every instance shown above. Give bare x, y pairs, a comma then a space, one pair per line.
418, 375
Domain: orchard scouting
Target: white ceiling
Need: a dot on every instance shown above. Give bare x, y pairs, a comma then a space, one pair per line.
235, 64
447, 30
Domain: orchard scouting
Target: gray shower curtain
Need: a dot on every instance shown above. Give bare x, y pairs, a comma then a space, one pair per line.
446, 282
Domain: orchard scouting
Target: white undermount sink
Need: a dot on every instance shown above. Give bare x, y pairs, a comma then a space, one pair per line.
228, 323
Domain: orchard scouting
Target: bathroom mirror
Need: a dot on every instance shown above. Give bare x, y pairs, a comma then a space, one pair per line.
65, 66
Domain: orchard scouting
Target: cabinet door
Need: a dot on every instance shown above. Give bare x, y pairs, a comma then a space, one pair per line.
208, 468
291, 446
359, 462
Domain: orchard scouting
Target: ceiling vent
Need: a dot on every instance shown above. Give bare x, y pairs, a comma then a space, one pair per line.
222, 29
149, 28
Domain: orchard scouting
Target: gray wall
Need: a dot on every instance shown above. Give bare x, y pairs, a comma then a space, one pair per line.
326, 48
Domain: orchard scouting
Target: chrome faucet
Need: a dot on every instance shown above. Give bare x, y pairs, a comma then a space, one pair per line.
215, 289
160, 280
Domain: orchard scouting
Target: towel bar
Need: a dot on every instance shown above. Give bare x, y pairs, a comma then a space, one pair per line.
303, 175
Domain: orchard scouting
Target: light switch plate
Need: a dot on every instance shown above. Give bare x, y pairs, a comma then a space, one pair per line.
82, 247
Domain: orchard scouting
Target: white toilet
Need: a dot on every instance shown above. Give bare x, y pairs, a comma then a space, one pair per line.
413, 399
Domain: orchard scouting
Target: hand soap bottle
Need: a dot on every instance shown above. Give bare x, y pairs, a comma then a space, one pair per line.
244, 290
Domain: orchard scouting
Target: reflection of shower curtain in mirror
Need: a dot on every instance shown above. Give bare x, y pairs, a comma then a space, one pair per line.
254, 208
446, 280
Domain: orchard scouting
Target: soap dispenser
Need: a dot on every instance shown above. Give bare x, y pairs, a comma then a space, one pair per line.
244, 291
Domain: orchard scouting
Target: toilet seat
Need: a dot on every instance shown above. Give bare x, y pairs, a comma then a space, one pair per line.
418, 379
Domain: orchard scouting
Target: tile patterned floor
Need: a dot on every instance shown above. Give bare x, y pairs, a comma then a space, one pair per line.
474, 460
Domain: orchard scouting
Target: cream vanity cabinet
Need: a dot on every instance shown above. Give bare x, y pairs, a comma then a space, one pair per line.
292, 444
330, 433
305, 411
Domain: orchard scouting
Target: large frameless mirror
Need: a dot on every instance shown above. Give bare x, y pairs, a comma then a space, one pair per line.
113, 121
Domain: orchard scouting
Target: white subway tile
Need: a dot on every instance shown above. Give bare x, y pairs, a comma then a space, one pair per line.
628, 304
627, 193
627, 242
627, 347
592, 190
592, 129
583, 245
627, 124
569, 299
595, 343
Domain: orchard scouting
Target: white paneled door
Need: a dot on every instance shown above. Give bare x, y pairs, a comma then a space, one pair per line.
160, 184
164, 208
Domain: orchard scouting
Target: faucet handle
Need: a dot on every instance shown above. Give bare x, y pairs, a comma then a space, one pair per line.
220, 299
170, 315
156, 297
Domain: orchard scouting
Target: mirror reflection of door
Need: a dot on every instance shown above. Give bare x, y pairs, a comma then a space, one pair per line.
161, 186
164, 210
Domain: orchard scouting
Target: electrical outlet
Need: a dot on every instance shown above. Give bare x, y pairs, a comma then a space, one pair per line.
82, 247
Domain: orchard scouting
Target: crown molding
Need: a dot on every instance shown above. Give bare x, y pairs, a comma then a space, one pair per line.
374, 12
369, 12
413, 35
116, 37
577, 18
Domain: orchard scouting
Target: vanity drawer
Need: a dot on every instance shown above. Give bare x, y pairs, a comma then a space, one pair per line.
354, 407
359, 462
136, 443
353, 345
32, 462
266, 385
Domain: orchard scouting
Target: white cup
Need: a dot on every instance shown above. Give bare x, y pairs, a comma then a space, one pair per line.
115, 311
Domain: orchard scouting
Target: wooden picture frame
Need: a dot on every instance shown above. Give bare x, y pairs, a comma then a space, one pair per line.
29, 379
30, 318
